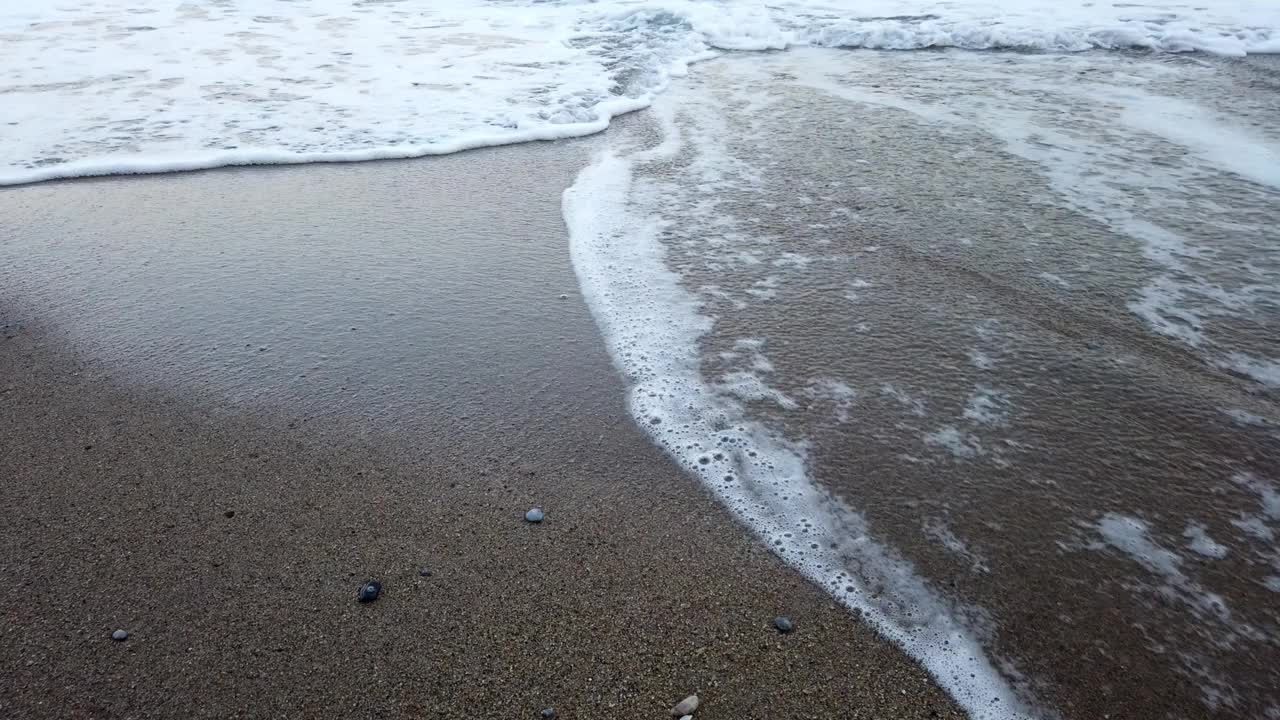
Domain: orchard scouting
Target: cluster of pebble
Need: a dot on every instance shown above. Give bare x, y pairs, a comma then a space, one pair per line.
370, 590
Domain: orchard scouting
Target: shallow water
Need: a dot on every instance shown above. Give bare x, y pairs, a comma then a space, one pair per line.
358, 293
983, 343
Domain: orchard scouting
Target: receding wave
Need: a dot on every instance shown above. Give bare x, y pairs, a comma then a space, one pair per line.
150, 87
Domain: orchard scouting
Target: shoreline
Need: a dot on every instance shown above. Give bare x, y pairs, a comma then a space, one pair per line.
400, 348
229, 538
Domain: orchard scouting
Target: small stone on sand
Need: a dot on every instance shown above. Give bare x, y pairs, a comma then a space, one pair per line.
783, 623
229, 514
687, 717
534, 515
369, 591
685, 707
424, 572
548, 712
120, 636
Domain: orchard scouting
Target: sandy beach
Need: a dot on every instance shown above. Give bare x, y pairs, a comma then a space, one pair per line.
229, 536
949, 334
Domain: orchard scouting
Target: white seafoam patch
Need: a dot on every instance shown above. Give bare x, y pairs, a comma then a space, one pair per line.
941, 533
836, 393
1264, 371
959, 443
652, 326
981, 359
1261, 528
914, 405
1198, 540
987, 406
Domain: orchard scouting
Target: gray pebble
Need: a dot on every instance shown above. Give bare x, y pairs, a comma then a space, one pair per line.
534, 515
120, 636
369, 591
784, 624
687, 717
548, 712
685, 707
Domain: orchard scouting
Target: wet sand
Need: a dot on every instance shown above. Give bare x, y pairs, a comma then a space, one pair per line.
214, 432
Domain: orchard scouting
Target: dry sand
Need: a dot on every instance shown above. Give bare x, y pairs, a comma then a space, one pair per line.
142, 490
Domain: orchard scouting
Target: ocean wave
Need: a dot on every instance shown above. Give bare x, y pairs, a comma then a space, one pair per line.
899, 35
145, 87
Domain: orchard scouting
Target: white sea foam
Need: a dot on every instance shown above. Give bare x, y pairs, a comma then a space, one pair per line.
1199, 541
1131, 536
1268, 494
1234, 149
987, 406
980, 359
837, 393
1050, 26
1171, 578
1260, 525
148, 86
1056, 280
955, 441
616, 216
1264, 371
939, 531
914, 404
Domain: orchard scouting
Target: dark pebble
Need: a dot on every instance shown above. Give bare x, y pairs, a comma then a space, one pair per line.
548, 712
424, 572
229, 513
784, 624
369, 591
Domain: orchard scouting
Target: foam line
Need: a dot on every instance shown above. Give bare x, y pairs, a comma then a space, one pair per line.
651, 326
96, 167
